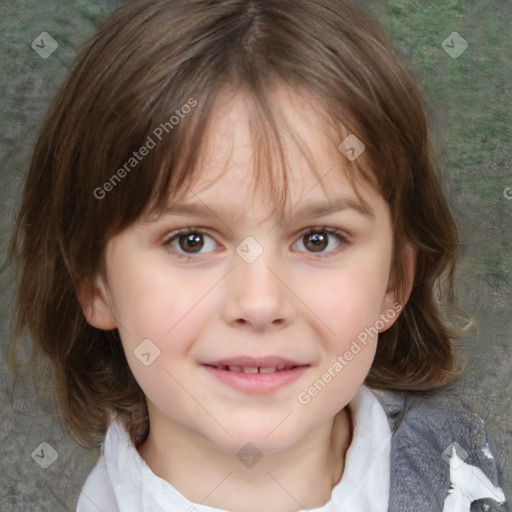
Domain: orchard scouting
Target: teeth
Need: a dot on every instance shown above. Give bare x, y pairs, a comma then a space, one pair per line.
254, 369
250, 370
268, 369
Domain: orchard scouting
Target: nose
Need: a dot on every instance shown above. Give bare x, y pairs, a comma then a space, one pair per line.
259, 295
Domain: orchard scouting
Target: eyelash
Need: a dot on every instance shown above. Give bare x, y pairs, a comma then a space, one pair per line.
342, 235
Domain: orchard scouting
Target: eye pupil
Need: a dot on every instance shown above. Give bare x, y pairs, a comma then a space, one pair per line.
317, 240
194, 241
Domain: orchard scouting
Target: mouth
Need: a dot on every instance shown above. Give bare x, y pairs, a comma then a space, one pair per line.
256, 375
254, 369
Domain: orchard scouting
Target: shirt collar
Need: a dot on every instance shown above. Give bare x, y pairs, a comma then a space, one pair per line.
363, 486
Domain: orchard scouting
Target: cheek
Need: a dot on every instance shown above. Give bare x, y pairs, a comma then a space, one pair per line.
339, 377
353, 302
160, 313
350, 341
155, 303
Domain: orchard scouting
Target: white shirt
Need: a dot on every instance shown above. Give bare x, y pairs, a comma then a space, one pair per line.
121, 481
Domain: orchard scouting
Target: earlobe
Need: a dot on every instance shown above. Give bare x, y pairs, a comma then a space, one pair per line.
96, 305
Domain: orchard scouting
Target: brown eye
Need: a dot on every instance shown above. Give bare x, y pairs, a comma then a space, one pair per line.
192, 241
323, 241
315, 242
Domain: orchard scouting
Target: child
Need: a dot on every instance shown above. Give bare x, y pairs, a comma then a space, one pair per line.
292, 358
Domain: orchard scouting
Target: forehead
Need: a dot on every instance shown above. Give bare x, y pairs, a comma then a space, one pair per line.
293, 152
280, 149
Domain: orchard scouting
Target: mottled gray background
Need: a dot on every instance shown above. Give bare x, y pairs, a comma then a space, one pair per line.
470, 100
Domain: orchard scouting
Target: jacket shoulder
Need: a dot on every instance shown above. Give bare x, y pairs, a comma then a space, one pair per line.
425, 432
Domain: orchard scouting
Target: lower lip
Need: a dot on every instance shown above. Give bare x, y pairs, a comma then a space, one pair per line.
256, 383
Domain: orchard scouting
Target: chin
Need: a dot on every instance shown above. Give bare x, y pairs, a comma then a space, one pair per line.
262, 440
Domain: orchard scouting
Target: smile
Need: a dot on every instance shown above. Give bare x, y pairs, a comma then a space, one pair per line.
255, 369
255, 380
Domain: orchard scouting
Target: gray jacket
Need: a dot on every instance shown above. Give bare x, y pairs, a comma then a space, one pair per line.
425, 430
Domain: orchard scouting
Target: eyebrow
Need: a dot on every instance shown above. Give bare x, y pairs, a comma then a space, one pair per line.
322, 208
311, 210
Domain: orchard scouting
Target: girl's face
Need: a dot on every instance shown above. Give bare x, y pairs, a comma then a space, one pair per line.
219, 281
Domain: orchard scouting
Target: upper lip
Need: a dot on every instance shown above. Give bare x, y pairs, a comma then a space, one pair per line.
253, 362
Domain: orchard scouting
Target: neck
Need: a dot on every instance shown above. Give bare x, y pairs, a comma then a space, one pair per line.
300, 477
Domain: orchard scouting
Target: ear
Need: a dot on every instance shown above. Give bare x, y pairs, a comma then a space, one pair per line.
395, 299
95, 302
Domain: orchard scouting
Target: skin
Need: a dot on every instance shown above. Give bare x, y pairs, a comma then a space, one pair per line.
292, 301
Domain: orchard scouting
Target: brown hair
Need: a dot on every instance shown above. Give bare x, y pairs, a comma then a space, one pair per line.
145, 64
